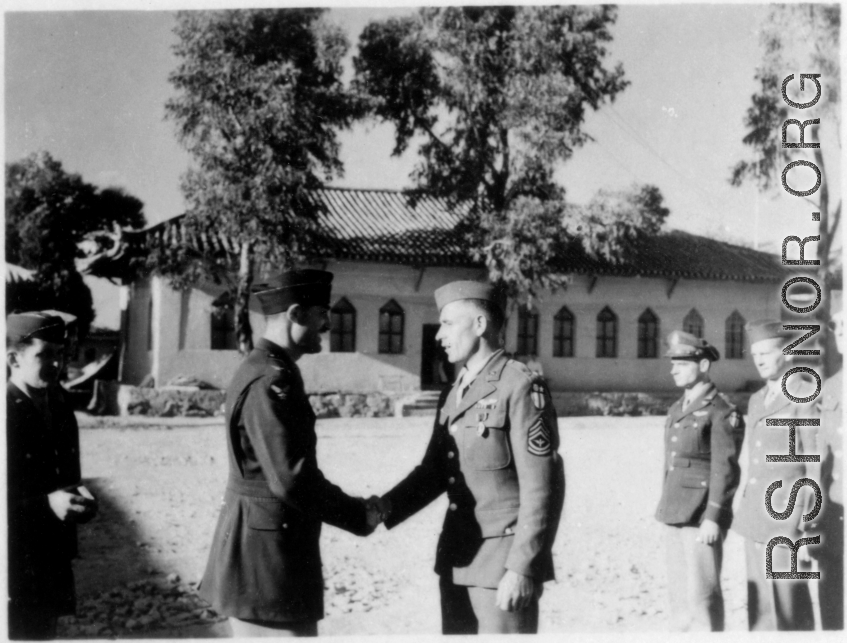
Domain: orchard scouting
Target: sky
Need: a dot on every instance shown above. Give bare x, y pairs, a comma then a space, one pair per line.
90, 88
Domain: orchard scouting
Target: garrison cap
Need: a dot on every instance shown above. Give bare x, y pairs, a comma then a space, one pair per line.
304, 287
764, 329
457, 290
682, 345
34, 325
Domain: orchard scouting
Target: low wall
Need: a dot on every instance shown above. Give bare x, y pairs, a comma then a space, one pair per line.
193, 402
569, 403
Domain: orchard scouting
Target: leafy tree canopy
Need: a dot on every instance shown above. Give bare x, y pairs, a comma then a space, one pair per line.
48, 212
259, 103
499, 95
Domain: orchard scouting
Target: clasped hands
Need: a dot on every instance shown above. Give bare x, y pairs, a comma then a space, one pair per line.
377, 511
73, 504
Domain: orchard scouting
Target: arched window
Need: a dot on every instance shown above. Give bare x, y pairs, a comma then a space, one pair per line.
223, 323
342, 335
564, 327
648, 335
391, 321
734, 336
607, 333
527, 331
693, 323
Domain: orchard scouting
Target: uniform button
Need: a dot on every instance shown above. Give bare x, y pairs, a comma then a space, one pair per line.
676, 425
758, 443
451, 455
454, 428
28, 455
673, 453
508, 530
673, 439
671, 468
57, 469
453, 506
702, 483
836, 476
285, 525
755, 460
752, 480
451, 480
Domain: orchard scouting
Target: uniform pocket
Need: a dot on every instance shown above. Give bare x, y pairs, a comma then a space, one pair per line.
269, 515
487, 450
693, 480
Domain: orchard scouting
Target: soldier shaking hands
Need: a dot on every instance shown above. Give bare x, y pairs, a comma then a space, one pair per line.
494, 451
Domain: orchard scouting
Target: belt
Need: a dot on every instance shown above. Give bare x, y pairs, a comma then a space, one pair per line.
696, 463
253, 488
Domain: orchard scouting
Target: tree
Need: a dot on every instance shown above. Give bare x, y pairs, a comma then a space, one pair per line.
48, 212
259, 103
799, 39
499, 95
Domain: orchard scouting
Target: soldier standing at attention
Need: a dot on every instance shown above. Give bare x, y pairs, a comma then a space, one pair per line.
703, 435
494, 451
264, 568
45, 495
773, 604
830, 521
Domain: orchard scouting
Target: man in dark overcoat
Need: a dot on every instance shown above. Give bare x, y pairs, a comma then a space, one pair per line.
703, 435
774, 604
264, 568
494, 451
44, 491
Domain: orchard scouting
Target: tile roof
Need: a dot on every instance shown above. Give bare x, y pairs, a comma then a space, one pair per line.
382, 226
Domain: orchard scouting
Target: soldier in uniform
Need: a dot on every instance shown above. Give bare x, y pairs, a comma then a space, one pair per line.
264, 568
494, 451
45, 495
830, 521
703, 435
773, 604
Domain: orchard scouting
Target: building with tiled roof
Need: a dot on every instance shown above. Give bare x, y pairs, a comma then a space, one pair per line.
604, 332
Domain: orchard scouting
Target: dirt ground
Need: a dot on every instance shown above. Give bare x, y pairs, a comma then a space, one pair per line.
160, 490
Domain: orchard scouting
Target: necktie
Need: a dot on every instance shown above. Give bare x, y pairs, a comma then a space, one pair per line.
462, 386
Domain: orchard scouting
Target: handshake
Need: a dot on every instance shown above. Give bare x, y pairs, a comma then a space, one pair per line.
377, 511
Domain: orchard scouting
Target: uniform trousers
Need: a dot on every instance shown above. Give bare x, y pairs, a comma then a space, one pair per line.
694, 581
830, 555
473, 610
784, 605
248, 628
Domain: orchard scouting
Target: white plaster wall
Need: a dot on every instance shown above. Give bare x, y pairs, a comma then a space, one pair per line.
184, 329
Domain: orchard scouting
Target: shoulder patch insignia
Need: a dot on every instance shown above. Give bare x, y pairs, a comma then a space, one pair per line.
538, 439
538, 394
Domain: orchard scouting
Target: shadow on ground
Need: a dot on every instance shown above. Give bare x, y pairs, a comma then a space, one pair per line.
121, 594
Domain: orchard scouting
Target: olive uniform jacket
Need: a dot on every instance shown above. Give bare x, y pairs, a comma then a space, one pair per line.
752, 519
495, 454
42, 456
701, 475
831, 439
265, 562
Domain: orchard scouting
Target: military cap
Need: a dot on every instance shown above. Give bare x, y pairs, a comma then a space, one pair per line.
682, 345
34, 325
66, 317
764, 329
457, 290
304, 287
